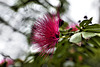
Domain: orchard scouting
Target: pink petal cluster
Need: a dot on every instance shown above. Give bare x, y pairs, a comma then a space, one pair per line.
73, 26
45, 32
8, 60
2, 61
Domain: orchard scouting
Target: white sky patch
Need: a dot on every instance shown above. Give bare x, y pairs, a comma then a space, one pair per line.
79, 8
52, 10
54, 2
35, 48
12, 43
1, 58
9, 2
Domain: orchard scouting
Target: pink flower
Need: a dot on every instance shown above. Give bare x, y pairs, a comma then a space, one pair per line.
73, 26
2, 61
7, 60
45, 33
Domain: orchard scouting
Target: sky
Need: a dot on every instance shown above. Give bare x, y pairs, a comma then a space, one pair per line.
80, 8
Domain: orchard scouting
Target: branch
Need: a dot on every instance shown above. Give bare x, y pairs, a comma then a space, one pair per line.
16, 7
14, 29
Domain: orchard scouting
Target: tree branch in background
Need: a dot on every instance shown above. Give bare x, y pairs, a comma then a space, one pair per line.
24, 3
99, 12
14, 29
49, 3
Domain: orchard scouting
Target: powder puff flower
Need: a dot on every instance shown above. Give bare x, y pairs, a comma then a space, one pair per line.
45, 33
73, 26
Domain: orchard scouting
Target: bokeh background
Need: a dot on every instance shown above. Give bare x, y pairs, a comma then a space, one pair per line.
17, 17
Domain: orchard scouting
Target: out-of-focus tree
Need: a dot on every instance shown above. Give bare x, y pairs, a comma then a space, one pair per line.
99, 12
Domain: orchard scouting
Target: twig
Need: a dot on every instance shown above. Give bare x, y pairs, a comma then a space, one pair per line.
14, 29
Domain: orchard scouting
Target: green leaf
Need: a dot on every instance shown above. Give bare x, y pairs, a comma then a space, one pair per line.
93, 28
97, 40
93, 42
85, 22
88, 34
98, 34
61, 53
95, 60
64, 25
89, 21
76, 38
78, 27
